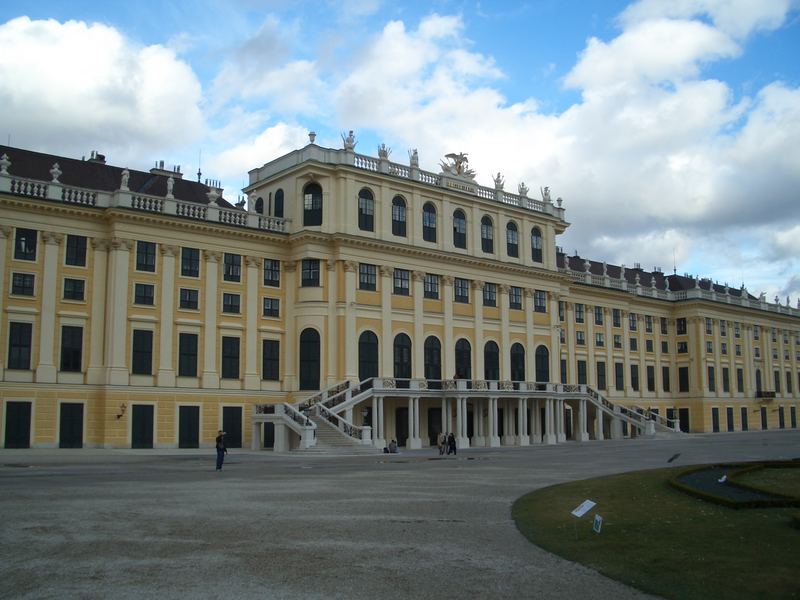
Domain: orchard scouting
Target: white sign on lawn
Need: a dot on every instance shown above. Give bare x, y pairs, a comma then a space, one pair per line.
584, 507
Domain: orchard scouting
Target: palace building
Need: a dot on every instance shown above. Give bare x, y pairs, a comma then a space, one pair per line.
352, 300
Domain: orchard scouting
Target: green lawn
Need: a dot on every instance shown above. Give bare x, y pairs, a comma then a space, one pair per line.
779, 481
665, 542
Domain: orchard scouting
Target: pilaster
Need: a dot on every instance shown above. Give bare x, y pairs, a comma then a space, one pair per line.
46, 369
166, 367
210, 377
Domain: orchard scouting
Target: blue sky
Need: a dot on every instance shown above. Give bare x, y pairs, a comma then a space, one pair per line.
669, 128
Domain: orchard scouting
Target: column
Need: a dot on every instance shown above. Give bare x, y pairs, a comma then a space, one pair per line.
414, 442
536, 423
166, 360
477, 288
465, 421
381, 424
569, 317
5, 233
477, 424
448, 347
530, 351
523, 439
418, 343
459, 423
555, 342
583, 434
210, 376
117, 311
351, 347
494, 439
505, 343
562, 415
331, 377
46, 369
95, 372
290, 337
386, 342
549, 422
598, 424
375, 435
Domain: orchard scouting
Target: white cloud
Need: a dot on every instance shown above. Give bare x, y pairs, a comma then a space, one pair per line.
68, 86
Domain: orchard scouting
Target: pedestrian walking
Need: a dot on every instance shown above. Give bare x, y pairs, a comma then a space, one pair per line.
441, 442
221, 449
451, 443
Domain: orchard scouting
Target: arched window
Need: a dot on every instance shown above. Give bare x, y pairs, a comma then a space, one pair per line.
429, 222
279, 204
367, 355
402, 359
512, 239
491, 361
312, 205
536, 245
433, 362
260, 205
542, 364
309, 359
398, 216
459, 229
487, 235
463, 359
366, 210
517, 362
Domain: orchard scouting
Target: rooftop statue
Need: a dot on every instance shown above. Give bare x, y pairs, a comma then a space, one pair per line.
523, 189
458, 166
499, 181
349, 141
545, 194
413, 157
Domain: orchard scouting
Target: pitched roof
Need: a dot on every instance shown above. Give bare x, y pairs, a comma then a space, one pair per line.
96, 175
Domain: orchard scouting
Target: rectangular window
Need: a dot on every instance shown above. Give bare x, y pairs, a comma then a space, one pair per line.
581, 372
632, 321
737, 329
230, 303
683, 379
22, 284
146, 256
232, 267
789, 382
431, 286
560, 310
616, 317
648, 324
367, 277
709, 347
562, 337
230, 357
723, 348
76, 250
272, 272
601, 375
19, 346
142, 355
635, 377
74, 289
651, 378
617, 341
712, 380
664, 326
490, 294
579, 318
683, 347
619, 376
270, 360
709, 326
738, 350
723, 328
740, 381
777, 380
189, 299
25, 244
190, 262
648, 345
540, 301
757, 352
428, 224
598, 315
634, 344
398, 218
402, 282
515, 298
729, 417
461, 290
310, 273
744, 418
187, 354
599, 339
715, 419
580, 338
756, 332
680, 326
726, 379
563, 367
271, 307
665, 347
665, 378
366, 214
144, 293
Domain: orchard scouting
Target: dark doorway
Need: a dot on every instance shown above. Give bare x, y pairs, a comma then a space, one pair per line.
470, 425
543, 420
70, 428
745, 425
188, 427
671, 416
491, 361
568, 423
309, 360
402, 360
463, 359
729, 415
232, 426
18, 424
542, 358
764, 417
683, 419
517, 363
367, 356
401, 425
142, 426
501, 423
433, 364
268, 435
434, 425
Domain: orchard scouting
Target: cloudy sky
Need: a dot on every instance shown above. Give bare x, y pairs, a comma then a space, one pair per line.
671, 129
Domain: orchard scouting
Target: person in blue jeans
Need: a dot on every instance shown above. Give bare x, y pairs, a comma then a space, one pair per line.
221, 449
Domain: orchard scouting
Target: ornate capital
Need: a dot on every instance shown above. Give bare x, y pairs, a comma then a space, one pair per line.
478, 285
100, 244
290, 266
330, 264
503, 288
169, 250
351, 266
212, 256
5, 230
253, 261
418, 275
52, 238
121, 244
529, 292
447, 279
386, 271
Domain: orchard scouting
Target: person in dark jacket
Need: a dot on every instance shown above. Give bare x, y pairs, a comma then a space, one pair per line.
451, 443
221, 449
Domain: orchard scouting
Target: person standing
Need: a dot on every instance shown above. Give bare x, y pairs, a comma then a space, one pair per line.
451, 444
441, 440
221, 449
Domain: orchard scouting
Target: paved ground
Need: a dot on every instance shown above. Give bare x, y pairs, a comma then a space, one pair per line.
145, 524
